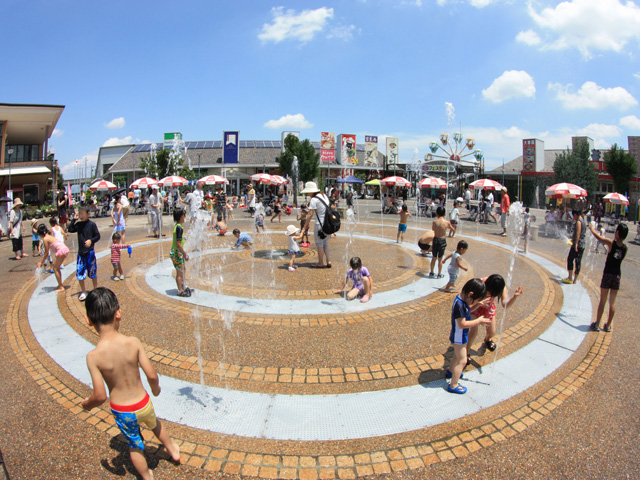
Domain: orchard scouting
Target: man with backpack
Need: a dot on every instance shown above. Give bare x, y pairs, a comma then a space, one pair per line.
327, 222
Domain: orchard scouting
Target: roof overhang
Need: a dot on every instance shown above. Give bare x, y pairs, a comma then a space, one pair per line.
29, 124
5, 172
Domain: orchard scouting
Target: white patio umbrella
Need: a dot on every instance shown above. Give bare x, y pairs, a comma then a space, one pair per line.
213, 180
173, 181
102, 186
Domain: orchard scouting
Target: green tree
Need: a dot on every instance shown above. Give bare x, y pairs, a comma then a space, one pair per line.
162, 164
573, 166
308, 161
622, 167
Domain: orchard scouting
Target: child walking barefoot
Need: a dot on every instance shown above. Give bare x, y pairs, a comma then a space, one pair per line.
116, 360
116, 257
497, 290
61, 251
294, 237
177, 253
402, 226
610, 283
472, 292
455, 265
302, 218
362, 281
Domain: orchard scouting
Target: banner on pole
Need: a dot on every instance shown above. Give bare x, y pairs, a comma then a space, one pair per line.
230, 147
347, 151
328, 147
370, 150
392, 151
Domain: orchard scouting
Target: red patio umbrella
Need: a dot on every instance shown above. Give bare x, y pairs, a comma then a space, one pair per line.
213, 180
565, 190
485, 184
102, 186
432, 182
144, 182
616, 198
263, 178
395, 182
173, 181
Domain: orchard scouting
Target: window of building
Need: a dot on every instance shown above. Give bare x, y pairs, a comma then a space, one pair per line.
31, 193
22, 153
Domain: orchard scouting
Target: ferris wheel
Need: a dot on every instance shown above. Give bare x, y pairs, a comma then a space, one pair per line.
456, 151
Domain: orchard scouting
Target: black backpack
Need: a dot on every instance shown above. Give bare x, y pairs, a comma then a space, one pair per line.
331, 222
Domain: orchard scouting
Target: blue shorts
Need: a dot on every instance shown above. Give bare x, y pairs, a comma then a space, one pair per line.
87, 266
129, 417
452, 278
402, 227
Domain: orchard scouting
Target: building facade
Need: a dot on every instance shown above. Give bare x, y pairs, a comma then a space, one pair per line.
26, 169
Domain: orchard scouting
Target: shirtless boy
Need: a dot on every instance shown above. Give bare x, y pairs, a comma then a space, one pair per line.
425, 243
440, 227
116, 360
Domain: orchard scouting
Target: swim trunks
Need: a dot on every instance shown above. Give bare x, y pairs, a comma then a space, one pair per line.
177, 258
129, 417
87, 266
402, 227
424, 246
439, 246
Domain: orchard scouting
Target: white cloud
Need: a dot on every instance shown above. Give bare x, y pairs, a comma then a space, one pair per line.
473, 3
287, 24
529, 37
511, 84
589, 25
71, 170
637, 75
631, 122
289, 121
418, 3
600, 131
114, 141
593, 96
343, 32
116, 123
57, 132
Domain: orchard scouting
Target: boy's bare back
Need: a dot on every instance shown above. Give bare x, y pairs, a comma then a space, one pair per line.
118, 358
440, 227
404, 216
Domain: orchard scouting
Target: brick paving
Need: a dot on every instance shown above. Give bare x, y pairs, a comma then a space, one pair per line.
460, 441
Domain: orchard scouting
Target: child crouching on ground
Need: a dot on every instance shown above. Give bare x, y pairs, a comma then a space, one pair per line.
116, 260
496, 290
362, 281
221, 225
472, 292
455, 265
116, 360
294, 237
243, 239
177, 253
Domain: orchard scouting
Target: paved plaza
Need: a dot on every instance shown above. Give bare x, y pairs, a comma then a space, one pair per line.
268, 373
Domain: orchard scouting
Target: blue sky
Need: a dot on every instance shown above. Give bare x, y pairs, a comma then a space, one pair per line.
130, 71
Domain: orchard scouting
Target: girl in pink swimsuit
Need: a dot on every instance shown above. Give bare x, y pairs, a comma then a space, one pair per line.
51, 243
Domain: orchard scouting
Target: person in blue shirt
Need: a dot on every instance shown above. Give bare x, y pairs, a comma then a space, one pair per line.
242, 239
472, 293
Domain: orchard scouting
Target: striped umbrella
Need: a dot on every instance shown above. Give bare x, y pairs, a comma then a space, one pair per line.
395, 182
173, 181
144, 182
565, 190
264, 178
213, 180
616, 198
102, 186
485, 184
278, 180
432, 182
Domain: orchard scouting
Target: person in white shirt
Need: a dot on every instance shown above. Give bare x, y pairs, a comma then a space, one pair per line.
317, 209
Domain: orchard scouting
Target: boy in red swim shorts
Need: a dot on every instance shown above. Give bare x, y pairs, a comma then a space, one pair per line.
116, 359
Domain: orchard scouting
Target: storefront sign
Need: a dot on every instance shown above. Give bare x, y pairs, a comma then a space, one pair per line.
328, 147
230, 147
370, 150
392, 151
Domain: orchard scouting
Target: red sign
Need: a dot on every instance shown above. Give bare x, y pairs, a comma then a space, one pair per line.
327, 156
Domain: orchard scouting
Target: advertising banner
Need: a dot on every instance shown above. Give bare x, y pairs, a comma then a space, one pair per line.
370, 150
170, 139
230, 147
328, 147
286, 134
347, 151
392, 151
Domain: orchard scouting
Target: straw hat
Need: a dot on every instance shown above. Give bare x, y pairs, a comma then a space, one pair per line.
310, 187
17, 203
291, 230
504, 189
34, 221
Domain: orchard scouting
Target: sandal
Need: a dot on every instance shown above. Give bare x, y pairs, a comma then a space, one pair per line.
491, 345
594, 327
460, 390
607, 328
317, 266
440, 275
